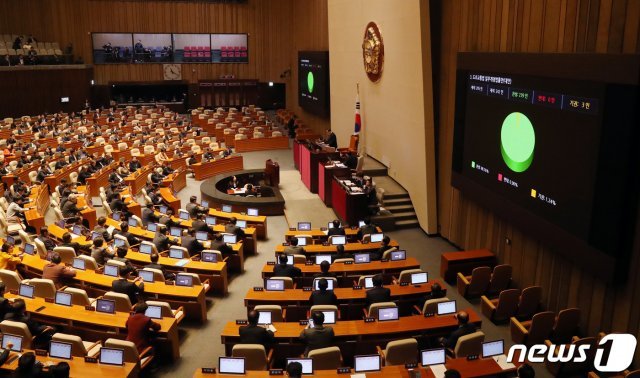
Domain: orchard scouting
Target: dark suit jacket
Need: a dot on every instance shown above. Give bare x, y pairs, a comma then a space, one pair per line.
192, 245
161, 242
148, 216
129, 288
378, 294
317, 338
327, 297
222, 247
286, 271
452, 340
199, 225
370, 229
336, 231
332, 140
251, 334
231, 229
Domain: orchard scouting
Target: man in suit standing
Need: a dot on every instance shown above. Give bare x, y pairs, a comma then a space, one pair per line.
284, 270
255, 334
336, 229
294, 248
464, 328
317, 337
131, 288
378, 293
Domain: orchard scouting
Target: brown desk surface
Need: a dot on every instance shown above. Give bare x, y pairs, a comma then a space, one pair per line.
344, 269
466, 255
349, 247
320, 234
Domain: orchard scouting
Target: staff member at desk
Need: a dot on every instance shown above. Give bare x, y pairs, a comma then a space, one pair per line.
284, 270
464, 328
233, 183
131, 288
255, 334
323, 296
331, 139
317, 337
378, 293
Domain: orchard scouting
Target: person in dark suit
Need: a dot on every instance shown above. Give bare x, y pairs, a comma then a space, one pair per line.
117, 204
193, 208
350, 160
377, 255
134, 164
5, 305
192, 245
336, 229
66, 242
255, 334
284, 270
464, 328
294, 369
140, 327
148, 216
131, 288
161, 240
341, 254
231, 228
294, 248
101, 228
218, 245
124, 231
368, 228
323, 296
331, 139
19, 314
324, 270
317, 337
200, 225
378, 293
436, 292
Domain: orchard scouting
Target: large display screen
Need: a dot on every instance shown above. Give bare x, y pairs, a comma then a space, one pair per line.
313, 82
550, 151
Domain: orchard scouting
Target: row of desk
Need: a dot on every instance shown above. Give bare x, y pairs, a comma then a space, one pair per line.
261, 144
211, 168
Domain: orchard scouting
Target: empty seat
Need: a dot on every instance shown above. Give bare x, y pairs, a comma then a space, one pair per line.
19, 329
534, 331
79, 348
400, 352
255, 356
131, 352
123, 303
288, 281
167, 311
501, 309
470, 344
79, 297
566, 326
405, 275
328, 358
324, 308
11, 279
500, 279
572, 368
43, 288
529, 302
430, 306
476, 284
372, 312
67, 254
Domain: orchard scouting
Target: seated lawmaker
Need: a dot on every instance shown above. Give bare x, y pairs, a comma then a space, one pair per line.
324, 270
341, 254
323, 296
231, 228
140, 327
378, 293
336, 229
464, 328
293, 248
252, 333
317, 337
284, 270
131, 288
189, 241
368, 229
377, 255
217, 244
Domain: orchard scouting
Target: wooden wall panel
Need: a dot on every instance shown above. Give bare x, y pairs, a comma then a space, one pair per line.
605, 26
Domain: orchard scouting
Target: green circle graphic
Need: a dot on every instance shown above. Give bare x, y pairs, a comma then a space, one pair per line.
310, 82
517, 142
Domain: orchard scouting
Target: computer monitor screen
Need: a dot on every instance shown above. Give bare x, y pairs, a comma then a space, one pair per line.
330, 225
209, 257
146, 248
111, 356
62, 298
274, 285
204, 203
132, 222
175, 232
211, 221
226, 208
367, 363
202, 235
118, 242
60, 223
77, 229
290, 260
307, 364
230, 239
163, 209
316, 282
321, 258
376, 238
252, 212
154, 312
361, 258
264, 317
398, 255
361, 223
302, 241
26, 290
184, 215
184, 280
59, 349
368, 282
304, 226
329, 317
176, 253
492, 348
419, 278
95, 235
116, 215
448, 307
338, 240
433, 357
231, 365
107, 306
79, 264
29, 249
111, 270
153, 227
387, 313
16, 340
147, 275
241, 223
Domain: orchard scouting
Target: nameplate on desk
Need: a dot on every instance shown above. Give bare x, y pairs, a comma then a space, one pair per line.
365, 242
411, 365
323, 229
271, 263
39, 309
343, 370
325, 243
384, 260
354, 227
404, 284
357, 287
285, 244
348, 262
208, 370
303, 322
49, 300
15, 292
169, 283
241, 322
417, 285
276, 372
309, 263
292, 229
90, 360
369, 320
40, 352
89, 308
258, 288
307, 288
429, 314
472, 357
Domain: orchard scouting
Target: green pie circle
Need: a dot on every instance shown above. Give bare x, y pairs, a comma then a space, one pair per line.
310, 81
517, 142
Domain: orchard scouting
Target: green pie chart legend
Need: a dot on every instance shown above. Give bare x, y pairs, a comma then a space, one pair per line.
517, 142
310, 82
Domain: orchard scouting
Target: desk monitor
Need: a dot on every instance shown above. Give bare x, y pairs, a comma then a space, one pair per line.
58, 349
153, 227
209, 257
30, 249
274, 285
60, 223
419, 278
302, 241
96, 201
338, 240
252, 212
76, 229
448, 307
95, 235
264, 317
366, 363
226, 208
184, 280
241, 223
368, 282
118, 242
147, 275
79, 263
304, 226
106, 306
111, 270
231, 365
430, 357
316, 282
26, 290
163, 209
361, 223
154, 312
175, 232
387, 313
307, 364
230, 239
16, 340
204, 203
492, 348
289, 259
211, 221
398, 255
321, 258
62, 298
329, 317
183, 214
116, 215
110, 356
146, 248
330, 225
361, 258
132, 222
176, 253
202, 235
377, 238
